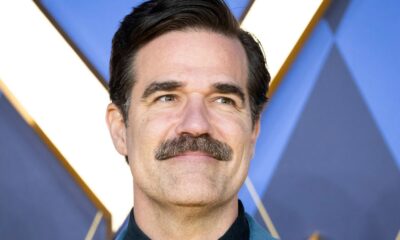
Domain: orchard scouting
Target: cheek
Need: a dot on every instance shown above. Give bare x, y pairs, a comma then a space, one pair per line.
148, 131
236, 131
144, 136
157, 123
240, 133
232, 127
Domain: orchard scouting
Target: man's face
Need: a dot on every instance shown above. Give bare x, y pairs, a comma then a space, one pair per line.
190, 84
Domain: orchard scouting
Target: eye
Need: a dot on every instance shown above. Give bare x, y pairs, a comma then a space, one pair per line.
226, 100
166, 98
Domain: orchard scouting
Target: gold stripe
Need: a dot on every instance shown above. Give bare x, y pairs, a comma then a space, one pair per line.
296, 49
31, 122
315, 236
94, 226
16, 104
398, 236
261, 209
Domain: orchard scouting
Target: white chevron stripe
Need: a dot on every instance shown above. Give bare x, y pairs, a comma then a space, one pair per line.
278, 25
65, 99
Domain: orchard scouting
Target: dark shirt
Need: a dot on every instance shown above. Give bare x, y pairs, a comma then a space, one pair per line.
238, 230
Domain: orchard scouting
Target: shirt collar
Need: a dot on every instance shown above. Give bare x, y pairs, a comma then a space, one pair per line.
238, 230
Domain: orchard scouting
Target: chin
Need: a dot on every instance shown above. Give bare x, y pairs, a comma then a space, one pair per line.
194, 196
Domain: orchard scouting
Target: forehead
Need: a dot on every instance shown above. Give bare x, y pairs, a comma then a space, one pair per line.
195, 57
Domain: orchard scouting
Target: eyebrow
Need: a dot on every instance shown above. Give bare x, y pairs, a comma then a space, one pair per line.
229, 89
161, 86
225, 88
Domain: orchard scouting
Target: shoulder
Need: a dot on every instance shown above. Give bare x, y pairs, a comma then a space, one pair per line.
256, 231
122, 231
121, 234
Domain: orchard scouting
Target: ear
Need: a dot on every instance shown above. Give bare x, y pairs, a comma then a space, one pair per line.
117, 128
256, 131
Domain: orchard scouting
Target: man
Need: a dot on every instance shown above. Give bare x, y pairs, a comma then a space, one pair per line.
187, 88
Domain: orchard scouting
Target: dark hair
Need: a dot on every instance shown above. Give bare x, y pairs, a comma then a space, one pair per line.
156, 17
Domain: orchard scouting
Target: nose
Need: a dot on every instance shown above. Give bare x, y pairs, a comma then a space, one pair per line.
194, 118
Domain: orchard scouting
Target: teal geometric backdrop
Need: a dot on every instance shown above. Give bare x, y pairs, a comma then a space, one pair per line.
39, 199
328, 157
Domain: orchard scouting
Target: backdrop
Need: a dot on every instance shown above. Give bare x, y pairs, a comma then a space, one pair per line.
328, 156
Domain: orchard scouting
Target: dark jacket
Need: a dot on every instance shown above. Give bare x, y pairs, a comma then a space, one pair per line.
256, 231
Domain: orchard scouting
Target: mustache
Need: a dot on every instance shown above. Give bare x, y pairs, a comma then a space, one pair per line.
188, 143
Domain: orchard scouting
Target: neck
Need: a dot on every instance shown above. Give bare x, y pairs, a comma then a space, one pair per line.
169, 221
